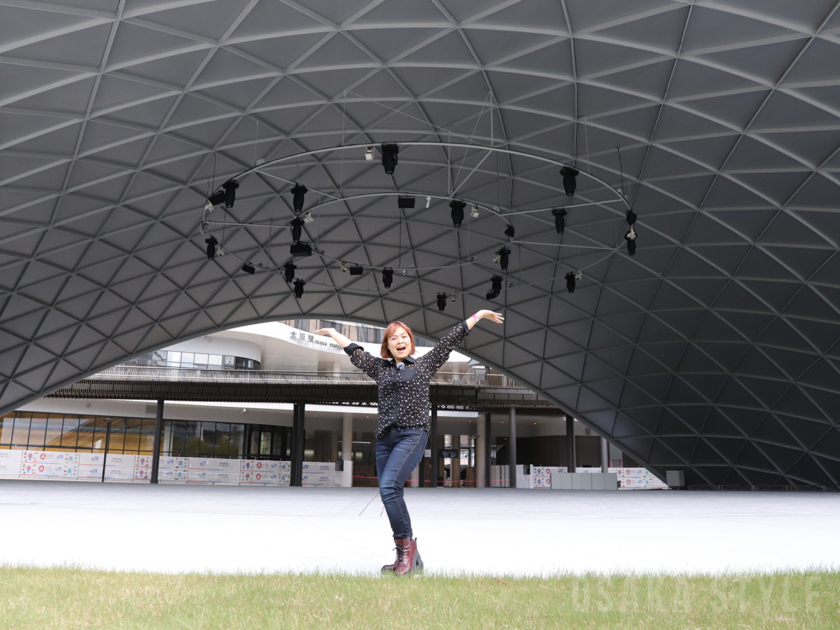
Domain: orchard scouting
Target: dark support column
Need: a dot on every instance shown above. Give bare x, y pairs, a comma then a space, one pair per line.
605, 455
158, 432
487, 443
433, 440
298, 443
107, 444
570, 443
301, 440
512, 447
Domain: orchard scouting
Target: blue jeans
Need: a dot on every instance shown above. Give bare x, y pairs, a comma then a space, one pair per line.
398, 453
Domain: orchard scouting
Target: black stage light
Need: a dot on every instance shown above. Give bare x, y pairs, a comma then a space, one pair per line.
457, 212
357, 270
390, 157
510, 231
248, 268
504, 257
299, 250
569, 179
495, 288
230, 187
298, 194
299, 288
496, 284
217, 197
387, 277
212, 244
630, 237
631, 217
570, 281
441, 301
289, 269
405, 201
297, 226
559, 219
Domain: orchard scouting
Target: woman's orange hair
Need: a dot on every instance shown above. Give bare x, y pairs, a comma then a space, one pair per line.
392, 327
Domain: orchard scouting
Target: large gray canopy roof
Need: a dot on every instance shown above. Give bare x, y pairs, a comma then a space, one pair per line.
713, 350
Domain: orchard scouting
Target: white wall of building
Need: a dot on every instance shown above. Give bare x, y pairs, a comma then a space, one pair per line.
221, 344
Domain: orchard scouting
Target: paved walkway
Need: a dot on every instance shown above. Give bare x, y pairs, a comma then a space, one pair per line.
494, 531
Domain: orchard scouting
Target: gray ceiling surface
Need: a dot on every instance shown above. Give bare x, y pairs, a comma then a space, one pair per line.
713, 350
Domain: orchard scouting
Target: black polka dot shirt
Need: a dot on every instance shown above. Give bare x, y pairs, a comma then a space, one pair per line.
404, 393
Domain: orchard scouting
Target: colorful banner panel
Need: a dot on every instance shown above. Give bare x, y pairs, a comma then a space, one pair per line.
49, 465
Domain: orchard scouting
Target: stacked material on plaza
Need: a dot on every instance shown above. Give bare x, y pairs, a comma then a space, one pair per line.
320, 474
539, 477
71, 466
636, 478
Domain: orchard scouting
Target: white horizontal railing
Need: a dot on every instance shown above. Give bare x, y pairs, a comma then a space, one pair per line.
180, 374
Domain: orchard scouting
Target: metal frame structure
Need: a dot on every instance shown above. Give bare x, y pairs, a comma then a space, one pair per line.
714, 350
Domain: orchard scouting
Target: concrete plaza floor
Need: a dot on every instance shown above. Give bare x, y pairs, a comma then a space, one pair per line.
484, 531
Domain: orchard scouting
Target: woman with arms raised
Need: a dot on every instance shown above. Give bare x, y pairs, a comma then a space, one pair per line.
403, 426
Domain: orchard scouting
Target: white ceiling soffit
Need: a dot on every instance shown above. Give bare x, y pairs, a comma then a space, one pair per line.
713, 350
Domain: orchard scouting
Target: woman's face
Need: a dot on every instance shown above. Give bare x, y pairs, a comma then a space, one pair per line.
399, 344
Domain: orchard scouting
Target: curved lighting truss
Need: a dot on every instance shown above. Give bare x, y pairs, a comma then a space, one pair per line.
264, 168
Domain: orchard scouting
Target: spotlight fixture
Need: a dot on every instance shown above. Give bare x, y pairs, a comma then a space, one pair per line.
504, 257
300, 250
289, 269
343, 266
559, 219
387, 277
369, 154
357, 270
390, 157
299, 288
571, 277
631, 217
496, 284
452, 297
510, 231
441, 301
248, 268
569, 179
495, 288
208, 206
230, 187
428, 200
474, 211
630, 237
297, 225
215, 199
298, 193
457, 212
212, 246
405, 201
308, 218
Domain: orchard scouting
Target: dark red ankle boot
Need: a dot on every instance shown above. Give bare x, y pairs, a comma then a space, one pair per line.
408, 559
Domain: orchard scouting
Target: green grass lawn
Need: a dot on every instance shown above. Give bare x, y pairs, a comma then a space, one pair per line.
73, 598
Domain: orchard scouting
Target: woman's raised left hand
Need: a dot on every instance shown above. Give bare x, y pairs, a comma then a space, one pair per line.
493, 317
